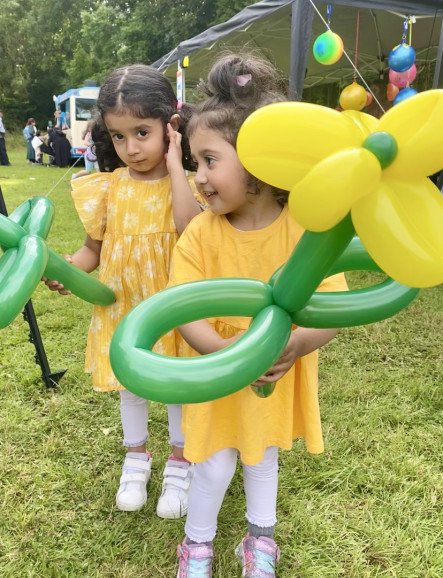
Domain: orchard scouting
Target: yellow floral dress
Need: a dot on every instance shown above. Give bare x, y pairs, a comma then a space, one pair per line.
211, 247
134, 221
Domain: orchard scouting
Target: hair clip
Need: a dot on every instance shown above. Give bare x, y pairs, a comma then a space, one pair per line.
243, 79
179, 104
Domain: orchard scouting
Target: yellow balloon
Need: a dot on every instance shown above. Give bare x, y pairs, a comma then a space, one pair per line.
416, 124
281, 142
353, 97
325, 196
365, 122
400, 225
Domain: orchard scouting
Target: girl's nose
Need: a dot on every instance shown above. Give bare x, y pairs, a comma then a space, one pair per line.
131, 146
200, 177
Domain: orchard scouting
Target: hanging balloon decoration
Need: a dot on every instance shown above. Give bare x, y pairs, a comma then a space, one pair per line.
354, 96
401, 61
328, 47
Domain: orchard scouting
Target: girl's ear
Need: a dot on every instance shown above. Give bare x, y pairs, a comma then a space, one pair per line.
175, 121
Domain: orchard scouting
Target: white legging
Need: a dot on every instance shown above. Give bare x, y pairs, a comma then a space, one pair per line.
134, 416
210, 482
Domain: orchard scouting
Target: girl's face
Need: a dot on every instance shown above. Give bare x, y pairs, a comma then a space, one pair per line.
220, 176
140, 144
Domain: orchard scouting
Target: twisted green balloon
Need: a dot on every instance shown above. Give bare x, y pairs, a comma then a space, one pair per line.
26, 259
289, 297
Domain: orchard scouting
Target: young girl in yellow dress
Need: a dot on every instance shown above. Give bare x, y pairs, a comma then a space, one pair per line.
246, 232
133, 214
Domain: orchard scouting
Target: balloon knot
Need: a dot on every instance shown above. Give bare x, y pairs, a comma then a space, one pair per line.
383, 145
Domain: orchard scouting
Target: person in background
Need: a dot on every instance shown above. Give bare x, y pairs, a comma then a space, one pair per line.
61, 146
36, 145
90, 158
4, 159
28, 134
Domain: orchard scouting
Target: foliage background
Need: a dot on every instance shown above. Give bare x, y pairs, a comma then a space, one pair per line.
48, 47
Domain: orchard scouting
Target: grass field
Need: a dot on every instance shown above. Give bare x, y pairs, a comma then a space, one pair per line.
369, 507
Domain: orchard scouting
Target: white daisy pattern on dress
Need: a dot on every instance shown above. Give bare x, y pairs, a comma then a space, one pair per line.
149, 270
158, 248
130, 221
133, 219
154, 203
127, 192
149, 228
90, 205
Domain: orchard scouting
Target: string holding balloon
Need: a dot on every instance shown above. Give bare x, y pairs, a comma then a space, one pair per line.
354, 96
403, 71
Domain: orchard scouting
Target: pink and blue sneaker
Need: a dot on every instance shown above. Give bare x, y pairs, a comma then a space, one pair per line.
258, 557
194, 560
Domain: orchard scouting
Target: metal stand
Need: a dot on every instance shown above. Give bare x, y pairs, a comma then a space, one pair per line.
51, 379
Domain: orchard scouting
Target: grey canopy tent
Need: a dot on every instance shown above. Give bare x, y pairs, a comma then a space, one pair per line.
284, 30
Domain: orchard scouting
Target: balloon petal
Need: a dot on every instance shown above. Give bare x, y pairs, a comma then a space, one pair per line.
365, 122
414, 123
281, 142
400, 225
325, 196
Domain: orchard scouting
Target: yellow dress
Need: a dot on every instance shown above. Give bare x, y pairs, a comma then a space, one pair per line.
134, 221
210, 247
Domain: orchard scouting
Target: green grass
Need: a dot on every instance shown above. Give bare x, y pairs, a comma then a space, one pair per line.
369, 507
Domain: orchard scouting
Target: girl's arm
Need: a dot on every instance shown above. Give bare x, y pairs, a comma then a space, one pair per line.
202, 337
86, 258
184, 204
302, 341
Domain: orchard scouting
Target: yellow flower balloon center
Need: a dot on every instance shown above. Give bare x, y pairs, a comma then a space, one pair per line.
383, 145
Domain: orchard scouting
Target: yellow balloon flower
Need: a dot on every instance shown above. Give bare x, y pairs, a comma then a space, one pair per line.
335, 163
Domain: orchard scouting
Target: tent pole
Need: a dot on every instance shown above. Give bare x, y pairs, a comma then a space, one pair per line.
438, 74
301, 29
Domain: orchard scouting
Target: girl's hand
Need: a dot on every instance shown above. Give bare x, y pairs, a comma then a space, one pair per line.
282, 365
303, 340
174, 154
54, 285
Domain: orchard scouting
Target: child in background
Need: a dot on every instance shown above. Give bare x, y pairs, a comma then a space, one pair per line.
133, 214
246, 232
89, 156
36, 143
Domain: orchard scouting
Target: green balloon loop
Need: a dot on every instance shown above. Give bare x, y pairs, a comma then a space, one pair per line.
198, 379
26, 259
289, 296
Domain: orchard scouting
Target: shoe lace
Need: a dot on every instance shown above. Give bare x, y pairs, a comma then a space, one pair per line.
194, 567
264, 561
199, 568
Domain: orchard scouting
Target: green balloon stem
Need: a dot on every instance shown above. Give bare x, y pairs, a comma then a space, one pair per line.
264, 390
309, 263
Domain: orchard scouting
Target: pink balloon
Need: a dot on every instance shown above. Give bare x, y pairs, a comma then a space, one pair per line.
402, 79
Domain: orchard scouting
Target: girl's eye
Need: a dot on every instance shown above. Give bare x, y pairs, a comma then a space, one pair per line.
142, 133
117, 137
209, 161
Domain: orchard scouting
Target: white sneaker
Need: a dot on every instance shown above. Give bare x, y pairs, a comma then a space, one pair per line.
173, 502
132, 493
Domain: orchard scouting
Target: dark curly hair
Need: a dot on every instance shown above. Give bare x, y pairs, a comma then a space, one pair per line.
237, 85
144, 92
